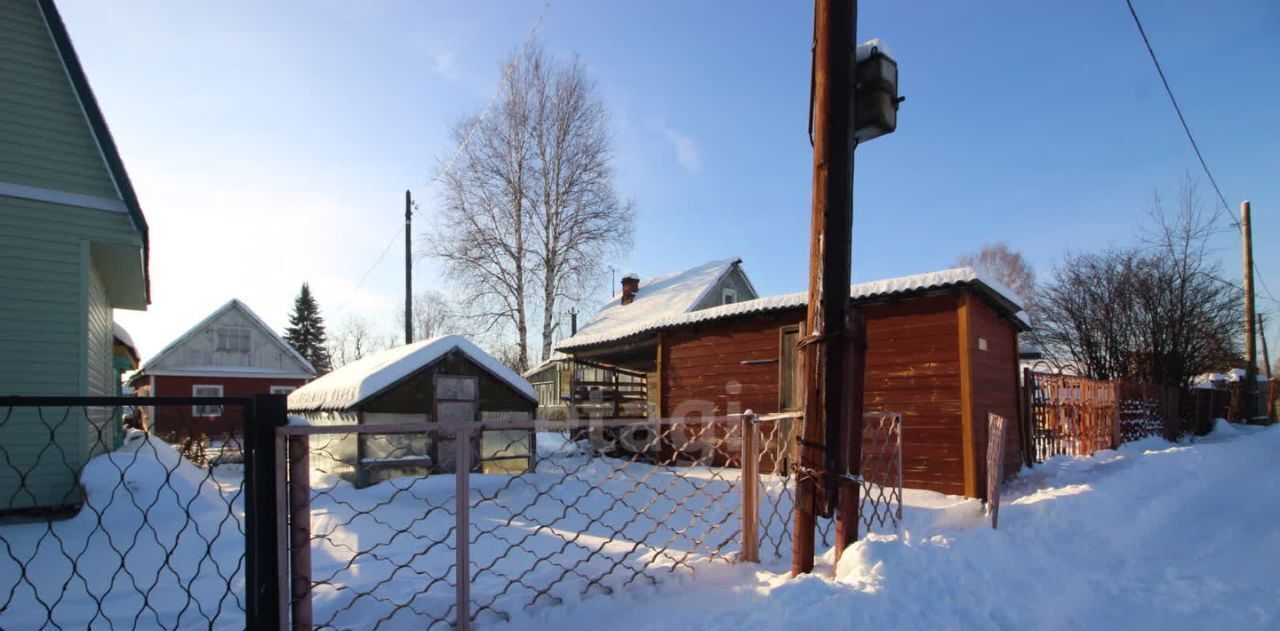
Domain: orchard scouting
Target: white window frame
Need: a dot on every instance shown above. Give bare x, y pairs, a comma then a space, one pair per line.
206, 411
285, 390
728, 296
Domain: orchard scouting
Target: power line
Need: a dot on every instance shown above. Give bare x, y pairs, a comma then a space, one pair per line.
1194, 145
1183, 119
506, 74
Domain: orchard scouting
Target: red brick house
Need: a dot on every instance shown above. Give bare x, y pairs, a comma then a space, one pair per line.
231, 353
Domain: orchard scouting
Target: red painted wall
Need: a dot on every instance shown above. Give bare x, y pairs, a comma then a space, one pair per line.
179, 419
913, 367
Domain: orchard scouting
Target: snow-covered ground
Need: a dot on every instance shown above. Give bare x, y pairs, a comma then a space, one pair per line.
158, 544
1152, 536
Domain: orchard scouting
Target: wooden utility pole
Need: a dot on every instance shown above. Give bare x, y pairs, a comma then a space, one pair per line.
408, 267
1266, 357
1250, 317
827, 416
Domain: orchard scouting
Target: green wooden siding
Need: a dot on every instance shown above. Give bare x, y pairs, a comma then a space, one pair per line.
735, 279
55, 339
56, 314
100, 429
45, 286
45, 140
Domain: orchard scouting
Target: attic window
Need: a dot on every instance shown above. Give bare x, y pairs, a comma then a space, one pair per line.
233, 340
728, 296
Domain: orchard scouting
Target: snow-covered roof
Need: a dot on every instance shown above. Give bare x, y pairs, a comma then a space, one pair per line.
667, 296
1235, 375
553, 358
863, 291
123, 336
234, 303
360, 380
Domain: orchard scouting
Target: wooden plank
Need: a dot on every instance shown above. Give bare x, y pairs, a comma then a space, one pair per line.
966, 398
750, 481
663, 358
997, 426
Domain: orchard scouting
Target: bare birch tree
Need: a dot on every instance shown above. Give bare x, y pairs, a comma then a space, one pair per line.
433, 315
481, 232
355, 339
578, 217
1000, 263
531, 211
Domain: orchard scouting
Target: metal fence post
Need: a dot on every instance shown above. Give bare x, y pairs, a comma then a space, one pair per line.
262, 575
300, 530
455, 406
462, 531
750, 457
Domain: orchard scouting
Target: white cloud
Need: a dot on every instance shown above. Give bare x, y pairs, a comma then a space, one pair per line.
444, 64
687, 154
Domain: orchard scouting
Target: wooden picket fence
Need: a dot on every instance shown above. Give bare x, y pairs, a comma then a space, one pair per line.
1068, 415
1076, 416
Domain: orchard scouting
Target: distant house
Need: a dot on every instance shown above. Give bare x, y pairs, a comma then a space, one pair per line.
577, 385
74, 245
230, 353
941, 349
397, 386
124, 355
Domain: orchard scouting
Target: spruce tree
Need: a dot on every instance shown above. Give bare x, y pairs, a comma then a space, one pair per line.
306, 331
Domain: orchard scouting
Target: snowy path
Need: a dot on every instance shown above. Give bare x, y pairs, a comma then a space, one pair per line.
1153, 536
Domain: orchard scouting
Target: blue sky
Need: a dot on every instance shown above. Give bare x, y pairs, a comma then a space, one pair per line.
271, 142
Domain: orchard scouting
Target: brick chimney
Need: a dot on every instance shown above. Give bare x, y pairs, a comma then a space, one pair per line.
630, 285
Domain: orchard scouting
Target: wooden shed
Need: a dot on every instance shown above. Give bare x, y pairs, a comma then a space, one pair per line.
941, 350
397, 386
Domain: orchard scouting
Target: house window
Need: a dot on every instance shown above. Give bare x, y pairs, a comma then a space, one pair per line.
206, 410
546, 391
233, 340
283, 389
789, 381
728, 296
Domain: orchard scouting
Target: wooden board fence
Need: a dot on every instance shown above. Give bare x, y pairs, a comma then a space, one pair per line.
1071, 415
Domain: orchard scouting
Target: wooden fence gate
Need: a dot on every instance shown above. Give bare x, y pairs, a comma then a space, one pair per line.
1069, 415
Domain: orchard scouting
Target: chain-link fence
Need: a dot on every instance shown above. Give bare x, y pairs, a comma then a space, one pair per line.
591, 508
105, 526
880, 498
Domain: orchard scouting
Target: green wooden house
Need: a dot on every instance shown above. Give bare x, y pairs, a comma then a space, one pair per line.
73, 247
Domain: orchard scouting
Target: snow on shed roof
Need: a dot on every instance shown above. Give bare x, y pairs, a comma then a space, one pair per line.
123, 336
360, 380
666, 296
876, 289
